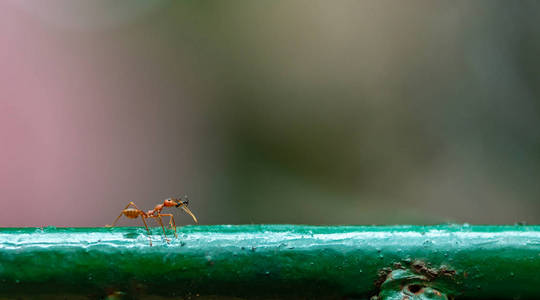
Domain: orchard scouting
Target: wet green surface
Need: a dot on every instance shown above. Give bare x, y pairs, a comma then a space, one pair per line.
467, 262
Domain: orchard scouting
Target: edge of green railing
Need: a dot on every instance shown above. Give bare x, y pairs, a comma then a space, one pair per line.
280, 261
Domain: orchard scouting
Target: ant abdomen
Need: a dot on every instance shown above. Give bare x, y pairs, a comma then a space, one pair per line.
131, 213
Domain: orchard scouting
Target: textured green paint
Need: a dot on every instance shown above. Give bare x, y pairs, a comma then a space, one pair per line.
490, 262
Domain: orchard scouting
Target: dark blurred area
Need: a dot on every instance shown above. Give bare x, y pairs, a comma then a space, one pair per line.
320, 112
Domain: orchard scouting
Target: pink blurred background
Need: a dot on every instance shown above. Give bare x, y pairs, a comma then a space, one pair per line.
284, 112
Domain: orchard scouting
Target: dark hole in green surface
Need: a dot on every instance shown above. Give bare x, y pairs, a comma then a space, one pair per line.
415, 288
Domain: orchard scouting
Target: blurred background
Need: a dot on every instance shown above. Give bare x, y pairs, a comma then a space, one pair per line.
319, 112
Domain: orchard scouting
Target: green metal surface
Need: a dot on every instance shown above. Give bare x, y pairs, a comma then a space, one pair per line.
264, 261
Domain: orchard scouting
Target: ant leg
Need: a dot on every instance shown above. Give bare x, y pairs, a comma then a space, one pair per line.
158, 217
115, 220
148, 230
133, 204
171, 223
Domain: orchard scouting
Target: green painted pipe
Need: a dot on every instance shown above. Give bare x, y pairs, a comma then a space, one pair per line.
285, 261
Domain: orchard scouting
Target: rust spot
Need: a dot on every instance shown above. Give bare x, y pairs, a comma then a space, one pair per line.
398, 265
382, 276
421, 267
443, 270
418, 267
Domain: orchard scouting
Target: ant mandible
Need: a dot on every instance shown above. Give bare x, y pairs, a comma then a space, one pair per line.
134, 212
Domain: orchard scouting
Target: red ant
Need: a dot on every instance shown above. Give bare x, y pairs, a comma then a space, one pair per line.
134, 212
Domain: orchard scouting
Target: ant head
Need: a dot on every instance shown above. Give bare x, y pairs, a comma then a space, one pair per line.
170, 202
